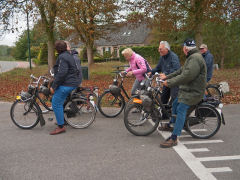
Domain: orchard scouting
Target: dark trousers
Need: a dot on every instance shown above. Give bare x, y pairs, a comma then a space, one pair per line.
167, 93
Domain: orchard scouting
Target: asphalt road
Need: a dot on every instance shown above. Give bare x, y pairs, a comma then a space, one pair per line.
9, 65
107, 151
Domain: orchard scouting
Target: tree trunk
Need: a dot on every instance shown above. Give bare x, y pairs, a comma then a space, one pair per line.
90, 58
198, 35
51, 55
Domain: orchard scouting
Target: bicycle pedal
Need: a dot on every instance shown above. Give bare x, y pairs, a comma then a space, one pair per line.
50, 119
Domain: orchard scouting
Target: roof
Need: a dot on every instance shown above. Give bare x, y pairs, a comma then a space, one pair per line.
123, 35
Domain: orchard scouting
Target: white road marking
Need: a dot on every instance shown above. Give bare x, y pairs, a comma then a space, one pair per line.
199, 150
201, 142
219, 158
221, 169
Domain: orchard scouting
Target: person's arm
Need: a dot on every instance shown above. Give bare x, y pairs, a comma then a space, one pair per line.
175, 64
140, 62
190, 72
62, 72
158, 68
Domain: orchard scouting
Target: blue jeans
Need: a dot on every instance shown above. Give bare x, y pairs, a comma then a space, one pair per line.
179, 109
58, 99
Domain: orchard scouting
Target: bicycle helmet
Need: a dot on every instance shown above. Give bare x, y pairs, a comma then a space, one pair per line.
115, 90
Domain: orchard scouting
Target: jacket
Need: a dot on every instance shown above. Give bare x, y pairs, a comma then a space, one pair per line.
66, 71
138, 70
167, 64
191, 79
208, 57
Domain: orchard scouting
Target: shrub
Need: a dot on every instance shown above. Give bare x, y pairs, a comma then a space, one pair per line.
43, 54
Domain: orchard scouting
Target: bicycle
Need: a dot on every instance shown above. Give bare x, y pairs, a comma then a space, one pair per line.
215, 91
112, 102
26, 113
199, 117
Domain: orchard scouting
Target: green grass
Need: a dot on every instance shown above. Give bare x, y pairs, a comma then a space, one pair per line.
7, 58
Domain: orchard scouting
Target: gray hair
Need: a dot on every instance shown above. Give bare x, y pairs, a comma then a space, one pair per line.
127, 51
190, 48
166, 44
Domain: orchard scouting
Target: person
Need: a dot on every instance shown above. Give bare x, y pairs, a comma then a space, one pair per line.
191, 79
138, 67
67, 77
167, 64
208, 57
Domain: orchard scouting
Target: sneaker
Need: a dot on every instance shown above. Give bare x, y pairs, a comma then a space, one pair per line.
168, 143
165, 127
58, 130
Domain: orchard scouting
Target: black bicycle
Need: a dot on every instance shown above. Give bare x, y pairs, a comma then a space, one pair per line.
79, 110
215, 91
143, 116
112, 102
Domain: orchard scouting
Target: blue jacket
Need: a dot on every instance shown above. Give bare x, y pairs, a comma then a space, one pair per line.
208, 57
167, 64
66, 71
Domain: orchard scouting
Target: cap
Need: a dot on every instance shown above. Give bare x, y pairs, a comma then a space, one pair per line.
203, 46
189, 43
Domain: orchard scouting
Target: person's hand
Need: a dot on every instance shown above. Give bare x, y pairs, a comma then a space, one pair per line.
51, 90
129, 74
165, 83
162, 76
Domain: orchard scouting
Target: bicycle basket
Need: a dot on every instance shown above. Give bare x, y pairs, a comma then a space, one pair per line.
115, 90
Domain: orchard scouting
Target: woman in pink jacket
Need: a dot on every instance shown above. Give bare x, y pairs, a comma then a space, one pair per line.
137, 67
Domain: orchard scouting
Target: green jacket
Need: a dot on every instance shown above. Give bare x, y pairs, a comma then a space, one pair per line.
191, 79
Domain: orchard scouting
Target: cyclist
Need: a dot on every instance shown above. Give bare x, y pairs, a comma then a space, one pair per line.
138, 67
191, 79
67, 77
167, 64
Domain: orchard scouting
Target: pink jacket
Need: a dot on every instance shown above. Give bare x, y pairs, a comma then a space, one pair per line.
140, 70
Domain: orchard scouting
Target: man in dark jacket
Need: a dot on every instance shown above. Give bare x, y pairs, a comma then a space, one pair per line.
167, 64
208, 57
66, 79
191, 79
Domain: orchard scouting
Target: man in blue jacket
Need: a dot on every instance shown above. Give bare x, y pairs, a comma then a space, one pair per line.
167, 64
208, 57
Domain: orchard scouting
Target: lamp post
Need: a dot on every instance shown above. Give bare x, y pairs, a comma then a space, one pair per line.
29, 51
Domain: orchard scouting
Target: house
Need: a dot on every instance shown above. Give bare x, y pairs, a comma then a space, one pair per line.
124, 35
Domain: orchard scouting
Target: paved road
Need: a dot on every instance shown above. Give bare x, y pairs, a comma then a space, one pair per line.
9, 65
107, 151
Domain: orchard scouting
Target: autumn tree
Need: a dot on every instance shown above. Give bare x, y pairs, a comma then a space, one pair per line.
89, 19
47, 10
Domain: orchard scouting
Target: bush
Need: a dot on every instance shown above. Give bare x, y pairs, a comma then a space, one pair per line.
151, 54
34, 51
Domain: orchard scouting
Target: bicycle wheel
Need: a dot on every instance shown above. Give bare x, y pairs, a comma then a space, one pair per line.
22, 116
214, 92
87, 92
79, 114
139, 122
109, 105
204, 122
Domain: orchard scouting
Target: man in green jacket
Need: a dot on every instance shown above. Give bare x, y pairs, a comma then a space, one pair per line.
191, 79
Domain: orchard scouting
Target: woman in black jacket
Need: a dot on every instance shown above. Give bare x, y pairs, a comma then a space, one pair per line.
67, 77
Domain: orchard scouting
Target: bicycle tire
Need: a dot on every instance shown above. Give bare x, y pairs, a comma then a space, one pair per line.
85, 92
79, 114
214, 92
109, 105
139, 123
29, 120
201, 120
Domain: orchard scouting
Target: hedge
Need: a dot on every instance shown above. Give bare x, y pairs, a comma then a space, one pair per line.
151, 54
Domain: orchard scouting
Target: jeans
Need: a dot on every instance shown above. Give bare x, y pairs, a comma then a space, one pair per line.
179, 109
136, 85
58, 99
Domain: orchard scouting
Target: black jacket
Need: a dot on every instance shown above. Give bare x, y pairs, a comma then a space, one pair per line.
67, 71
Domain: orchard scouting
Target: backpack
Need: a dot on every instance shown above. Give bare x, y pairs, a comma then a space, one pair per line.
147, 66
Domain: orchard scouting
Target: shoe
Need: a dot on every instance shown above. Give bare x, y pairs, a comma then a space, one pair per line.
168, 143
58, 130
165, 127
